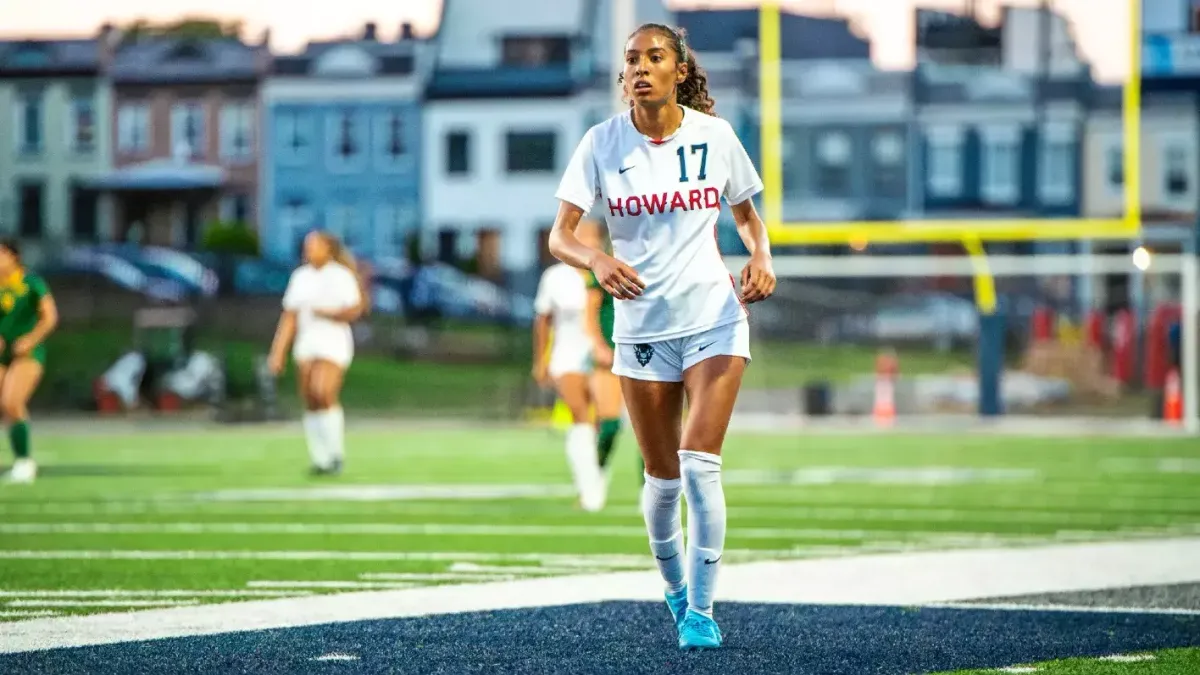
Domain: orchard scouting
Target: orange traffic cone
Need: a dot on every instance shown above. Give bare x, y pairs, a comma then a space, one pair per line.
885, 401
1173, 398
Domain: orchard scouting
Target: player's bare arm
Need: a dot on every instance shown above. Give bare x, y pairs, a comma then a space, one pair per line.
758, 276
619, 279
47, 322
285, 332
541, 340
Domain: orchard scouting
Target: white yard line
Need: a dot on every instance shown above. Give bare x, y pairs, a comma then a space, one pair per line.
330, 584
26, 613
445, 576
891, 579
130, 593
101, 603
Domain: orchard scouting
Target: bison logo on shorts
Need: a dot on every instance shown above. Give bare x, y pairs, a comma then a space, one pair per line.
643, 353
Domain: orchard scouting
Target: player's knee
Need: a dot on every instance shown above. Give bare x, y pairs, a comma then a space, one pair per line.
662, 465
12, 409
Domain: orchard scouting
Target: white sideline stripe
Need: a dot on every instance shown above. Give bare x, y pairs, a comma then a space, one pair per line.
444, 576
1018, 607
25, 613
1128, 658
584, 566
356, 585
335, 657
464, 529
384, 556
1017, 669
126, 593
375, 493
101, 603
910, 579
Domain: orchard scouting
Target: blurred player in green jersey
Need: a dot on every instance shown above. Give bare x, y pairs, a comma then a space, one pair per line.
606, 387
27, 317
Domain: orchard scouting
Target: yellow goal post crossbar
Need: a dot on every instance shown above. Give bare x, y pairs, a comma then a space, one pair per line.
862, 233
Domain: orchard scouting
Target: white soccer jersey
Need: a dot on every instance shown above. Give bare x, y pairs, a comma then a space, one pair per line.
661, 200
562, 293
330, 287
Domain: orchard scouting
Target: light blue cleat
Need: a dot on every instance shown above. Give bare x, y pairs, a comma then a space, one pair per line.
678, 605
699, 632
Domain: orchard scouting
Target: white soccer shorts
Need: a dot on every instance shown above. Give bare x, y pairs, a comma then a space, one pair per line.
566, 359
666, 361
339, 352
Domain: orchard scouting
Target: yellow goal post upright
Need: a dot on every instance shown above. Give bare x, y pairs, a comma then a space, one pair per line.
971, 234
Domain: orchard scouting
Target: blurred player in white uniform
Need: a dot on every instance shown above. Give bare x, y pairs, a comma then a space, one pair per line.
323, 297
562, 305
660, 172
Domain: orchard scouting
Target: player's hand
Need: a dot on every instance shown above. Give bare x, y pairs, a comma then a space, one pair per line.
603, 355
276, 363
617, 279
23, 346
758, 279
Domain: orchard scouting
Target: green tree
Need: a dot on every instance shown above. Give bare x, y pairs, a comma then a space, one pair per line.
193, 27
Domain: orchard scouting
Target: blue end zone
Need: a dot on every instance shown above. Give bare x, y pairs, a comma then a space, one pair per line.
633, 637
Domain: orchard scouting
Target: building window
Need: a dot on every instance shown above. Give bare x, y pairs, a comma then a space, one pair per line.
447, 246
29, 123
296, 217
458, 153
1175, 171
944, 173
235, 208
532, 52
187, 130
530, 151
1001, 154
391, 144
340, 222
237, 131
1056, 167
1114, 169
833, 164
133, 128
32, 209
887, 155
392, 223
83, 125
293, 135
345, 138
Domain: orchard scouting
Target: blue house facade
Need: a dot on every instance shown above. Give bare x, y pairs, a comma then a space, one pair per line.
343, 140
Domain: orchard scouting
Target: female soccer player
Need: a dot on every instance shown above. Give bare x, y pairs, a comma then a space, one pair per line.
561, 306
323, 297
681, 324
27, 317
606, 388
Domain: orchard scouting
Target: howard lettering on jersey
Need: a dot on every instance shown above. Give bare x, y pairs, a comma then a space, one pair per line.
666, 202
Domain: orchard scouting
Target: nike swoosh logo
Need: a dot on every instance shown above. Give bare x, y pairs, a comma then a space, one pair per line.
710, 562
666, 559
624, 169
700, 350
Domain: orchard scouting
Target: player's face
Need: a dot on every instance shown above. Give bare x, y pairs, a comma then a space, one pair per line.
652, 69
316, 249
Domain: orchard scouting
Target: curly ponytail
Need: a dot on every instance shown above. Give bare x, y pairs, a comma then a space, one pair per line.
693, 91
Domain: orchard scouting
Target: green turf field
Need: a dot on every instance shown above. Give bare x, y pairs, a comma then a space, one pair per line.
1166, 662
158, 518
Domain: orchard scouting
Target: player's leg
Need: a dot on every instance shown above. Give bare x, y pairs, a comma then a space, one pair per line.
606, 390
20, 381
653, 392
318, 455
326, 385
714, 364
572, 388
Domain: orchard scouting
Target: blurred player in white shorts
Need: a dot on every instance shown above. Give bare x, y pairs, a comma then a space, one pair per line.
562, 305
660, 173
323, 297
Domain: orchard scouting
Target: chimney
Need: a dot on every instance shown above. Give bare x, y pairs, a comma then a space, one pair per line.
406, 31
370, 32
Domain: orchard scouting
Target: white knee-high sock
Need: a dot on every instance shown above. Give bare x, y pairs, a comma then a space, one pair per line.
585, 466
660, 507
314, 436
701, 473
333, 425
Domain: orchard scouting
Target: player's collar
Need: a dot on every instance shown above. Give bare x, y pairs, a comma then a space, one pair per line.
684, 120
